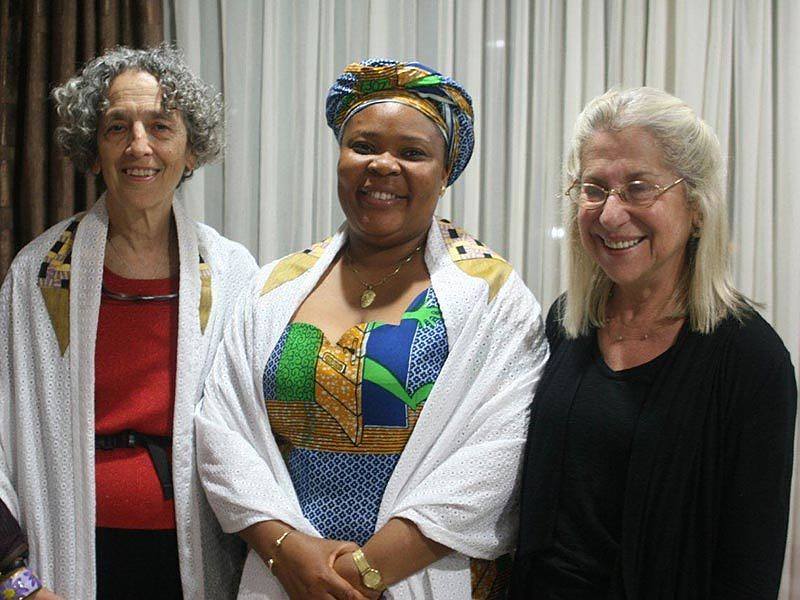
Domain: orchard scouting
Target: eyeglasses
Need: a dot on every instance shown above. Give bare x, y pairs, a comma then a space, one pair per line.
639, 194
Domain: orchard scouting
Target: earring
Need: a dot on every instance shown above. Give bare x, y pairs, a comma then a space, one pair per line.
442, 191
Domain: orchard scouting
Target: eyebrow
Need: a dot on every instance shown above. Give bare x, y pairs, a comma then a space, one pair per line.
118, 113
635, 176
407, 138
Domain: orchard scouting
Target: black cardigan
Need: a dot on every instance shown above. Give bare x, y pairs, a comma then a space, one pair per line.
12, 542
707, 492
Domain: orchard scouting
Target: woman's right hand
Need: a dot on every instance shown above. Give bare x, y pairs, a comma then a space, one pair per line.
304, 566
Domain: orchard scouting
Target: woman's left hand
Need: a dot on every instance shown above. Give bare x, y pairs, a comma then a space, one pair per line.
346, 568
304, 566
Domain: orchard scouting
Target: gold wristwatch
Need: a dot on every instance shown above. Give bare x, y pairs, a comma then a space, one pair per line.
371, 578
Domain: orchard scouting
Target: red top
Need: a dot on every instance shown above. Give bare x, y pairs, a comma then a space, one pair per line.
135, 363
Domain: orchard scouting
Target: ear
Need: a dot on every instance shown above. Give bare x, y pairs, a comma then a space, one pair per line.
697, 218
443, 188
95, 168
191, 160
697, 223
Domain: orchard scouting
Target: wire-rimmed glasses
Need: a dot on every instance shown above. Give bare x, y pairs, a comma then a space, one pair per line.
639, 194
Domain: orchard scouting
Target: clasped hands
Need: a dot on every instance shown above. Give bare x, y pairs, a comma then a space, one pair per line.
315, 568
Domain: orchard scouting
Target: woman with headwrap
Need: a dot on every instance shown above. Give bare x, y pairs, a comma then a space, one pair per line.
364, 420
108, 325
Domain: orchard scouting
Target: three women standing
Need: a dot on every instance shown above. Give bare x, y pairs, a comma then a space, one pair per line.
365, 418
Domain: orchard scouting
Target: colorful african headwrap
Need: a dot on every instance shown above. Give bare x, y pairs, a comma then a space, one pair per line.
438, 97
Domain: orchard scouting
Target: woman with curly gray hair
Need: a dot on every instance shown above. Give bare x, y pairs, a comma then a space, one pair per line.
659, 456
109, 323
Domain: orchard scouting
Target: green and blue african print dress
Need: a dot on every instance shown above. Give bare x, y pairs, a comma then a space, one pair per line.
342, 412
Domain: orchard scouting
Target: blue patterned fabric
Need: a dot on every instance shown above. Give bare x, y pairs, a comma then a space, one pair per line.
270, 373
341, 493
429, 351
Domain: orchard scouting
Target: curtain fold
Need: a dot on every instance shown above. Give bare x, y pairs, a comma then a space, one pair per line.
530, 65
44, 43
10, 38
785, 284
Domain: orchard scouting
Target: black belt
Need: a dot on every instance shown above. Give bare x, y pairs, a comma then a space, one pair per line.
157, 447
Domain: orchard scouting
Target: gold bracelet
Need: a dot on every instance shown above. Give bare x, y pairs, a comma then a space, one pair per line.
278, 542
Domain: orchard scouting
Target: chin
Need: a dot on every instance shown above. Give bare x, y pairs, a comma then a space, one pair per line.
377, 223
381, 237
387, 237
622, 270
142, 204
630, 279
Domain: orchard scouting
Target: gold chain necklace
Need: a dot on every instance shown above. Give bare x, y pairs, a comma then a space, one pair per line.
645, 335
368, 295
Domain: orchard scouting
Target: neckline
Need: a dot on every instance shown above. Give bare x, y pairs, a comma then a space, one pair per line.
118, 283
364, 324
643, 368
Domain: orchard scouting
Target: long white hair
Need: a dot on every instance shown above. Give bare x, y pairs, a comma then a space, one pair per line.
705, 294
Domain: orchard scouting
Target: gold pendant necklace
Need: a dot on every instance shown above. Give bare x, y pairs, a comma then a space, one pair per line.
368, 295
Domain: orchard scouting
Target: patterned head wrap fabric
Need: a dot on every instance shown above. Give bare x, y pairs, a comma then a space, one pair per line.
438, 97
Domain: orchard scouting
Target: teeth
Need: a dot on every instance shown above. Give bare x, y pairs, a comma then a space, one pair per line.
382, 195
621, 245
141, 172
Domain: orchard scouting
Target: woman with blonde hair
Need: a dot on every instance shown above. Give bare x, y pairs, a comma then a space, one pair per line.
660, 447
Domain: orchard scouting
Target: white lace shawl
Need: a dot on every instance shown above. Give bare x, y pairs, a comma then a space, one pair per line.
47, 406
457, 477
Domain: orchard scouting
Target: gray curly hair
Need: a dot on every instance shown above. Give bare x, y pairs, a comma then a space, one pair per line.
81, 100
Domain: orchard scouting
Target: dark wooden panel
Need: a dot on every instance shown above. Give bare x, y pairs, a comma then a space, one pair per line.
89, 34
150, 20
108, 24
9, 61
63, 62
33, 106
126, 23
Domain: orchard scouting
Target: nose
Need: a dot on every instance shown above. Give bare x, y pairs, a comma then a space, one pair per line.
384, 165
140, 142
614, 213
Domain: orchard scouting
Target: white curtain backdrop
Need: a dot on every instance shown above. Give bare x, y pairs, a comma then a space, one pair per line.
530, 67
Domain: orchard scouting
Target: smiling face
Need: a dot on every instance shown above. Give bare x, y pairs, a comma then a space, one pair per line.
391, 172
637, 248
142, 149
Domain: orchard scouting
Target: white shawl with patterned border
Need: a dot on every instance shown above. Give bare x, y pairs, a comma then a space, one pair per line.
457, 477
49, 307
